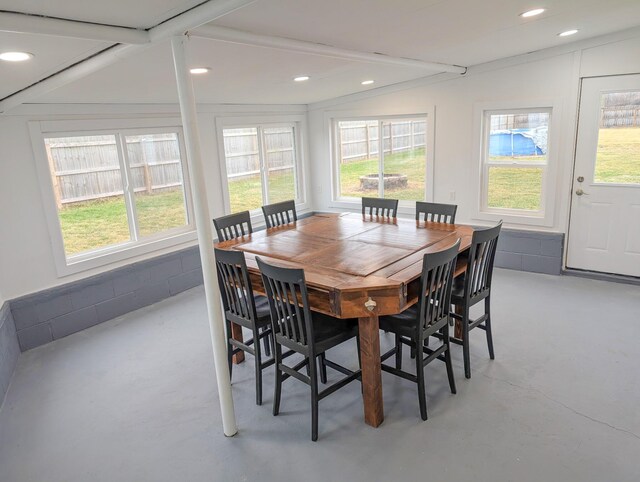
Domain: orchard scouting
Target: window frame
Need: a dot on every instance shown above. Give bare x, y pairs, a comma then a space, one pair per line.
404, 206
298, 122
120, 128
544, 216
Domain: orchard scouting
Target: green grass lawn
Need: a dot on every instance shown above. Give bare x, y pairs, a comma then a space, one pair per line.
103, 222
95, 224
618, 159
411, 163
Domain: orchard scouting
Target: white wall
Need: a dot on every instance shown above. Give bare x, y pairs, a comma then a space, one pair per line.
553, 75
26, 254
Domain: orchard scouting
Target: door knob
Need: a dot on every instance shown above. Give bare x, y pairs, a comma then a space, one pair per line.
580, 192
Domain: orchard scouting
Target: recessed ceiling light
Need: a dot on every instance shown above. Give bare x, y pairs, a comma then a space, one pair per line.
567, 33
532, 13
200, 70
367, 82
15, 56
301, 78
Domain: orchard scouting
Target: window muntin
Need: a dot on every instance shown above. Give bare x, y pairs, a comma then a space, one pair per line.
262, 165
397, 171
618, 154
115, 190
515, 161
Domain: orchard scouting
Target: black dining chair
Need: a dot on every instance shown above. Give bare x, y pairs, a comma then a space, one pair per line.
373, 206
305, 332
473, 287
429, 317
279, 214
241, 308
436, 212
233, 226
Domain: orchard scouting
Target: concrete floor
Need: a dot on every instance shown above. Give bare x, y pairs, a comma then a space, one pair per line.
134, 399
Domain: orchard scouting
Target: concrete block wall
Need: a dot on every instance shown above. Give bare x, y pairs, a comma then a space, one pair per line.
538, 252
51, 314
9, 349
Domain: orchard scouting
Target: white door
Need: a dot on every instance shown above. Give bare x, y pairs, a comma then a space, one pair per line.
604, 231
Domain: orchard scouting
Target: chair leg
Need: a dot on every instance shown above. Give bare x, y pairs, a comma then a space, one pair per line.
422, 397
278, 383
487, 324
323, 368
412, 351
465, 343
447, 358
267, 345
229, 352
258, 368
398, 353
314, 399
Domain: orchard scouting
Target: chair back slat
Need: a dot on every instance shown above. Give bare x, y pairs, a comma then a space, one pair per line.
288, 301
235, 285
373, 206
280, 214
436, 212
233, 226
481, 258
435, 286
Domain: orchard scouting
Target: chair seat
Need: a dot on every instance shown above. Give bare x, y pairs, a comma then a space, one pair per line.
402, 323
329, 332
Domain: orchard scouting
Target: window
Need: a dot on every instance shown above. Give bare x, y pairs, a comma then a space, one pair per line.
116, 190
515, 161
262, 165
618, 154
381, 158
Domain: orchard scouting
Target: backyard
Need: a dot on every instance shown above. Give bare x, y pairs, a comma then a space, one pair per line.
94, 224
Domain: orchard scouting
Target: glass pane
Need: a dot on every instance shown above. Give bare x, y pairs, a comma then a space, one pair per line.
87, 184
243, 168
618, 156
515, 188
156, 172
405, 161
280, 162
518, 137
359, 167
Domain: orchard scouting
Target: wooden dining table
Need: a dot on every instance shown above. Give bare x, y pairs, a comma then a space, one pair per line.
355, 266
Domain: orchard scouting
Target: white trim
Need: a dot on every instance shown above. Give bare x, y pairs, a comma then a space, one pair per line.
404, 207
298, 122
120, 129
543, 217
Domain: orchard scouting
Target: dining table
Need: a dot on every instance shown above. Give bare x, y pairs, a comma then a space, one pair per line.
355, 266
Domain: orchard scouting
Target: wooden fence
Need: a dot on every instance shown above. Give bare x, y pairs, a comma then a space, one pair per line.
360, 139
86, 168
620, 116
242, 150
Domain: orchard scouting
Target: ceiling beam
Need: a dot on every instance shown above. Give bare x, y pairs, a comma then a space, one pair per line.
60, 27
178, 25
225, 34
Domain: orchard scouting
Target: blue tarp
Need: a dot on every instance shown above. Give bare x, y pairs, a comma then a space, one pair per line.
518, 142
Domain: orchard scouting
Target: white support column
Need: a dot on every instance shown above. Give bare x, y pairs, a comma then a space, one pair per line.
205, 236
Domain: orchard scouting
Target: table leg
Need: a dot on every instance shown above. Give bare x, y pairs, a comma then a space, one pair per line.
236, 333
371, 373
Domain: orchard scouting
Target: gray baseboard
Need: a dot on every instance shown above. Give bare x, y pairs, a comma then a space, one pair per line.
9, 349
538, 252
54, 313
58, 312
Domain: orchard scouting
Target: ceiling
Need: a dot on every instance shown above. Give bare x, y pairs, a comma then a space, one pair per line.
460, 32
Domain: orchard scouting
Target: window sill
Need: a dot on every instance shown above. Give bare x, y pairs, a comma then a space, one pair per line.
120, 253
514, 218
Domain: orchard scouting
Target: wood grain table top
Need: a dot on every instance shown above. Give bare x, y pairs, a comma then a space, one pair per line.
349, 258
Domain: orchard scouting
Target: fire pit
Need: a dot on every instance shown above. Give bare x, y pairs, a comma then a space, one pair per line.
391, 181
